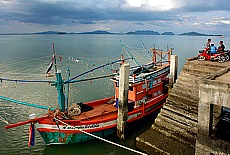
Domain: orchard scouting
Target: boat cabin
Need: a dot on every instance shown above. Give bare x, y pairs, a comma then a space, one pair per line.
145, 86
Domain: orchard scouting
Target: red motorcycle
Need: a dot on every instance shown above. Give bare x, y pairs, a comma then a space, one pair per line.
220, 57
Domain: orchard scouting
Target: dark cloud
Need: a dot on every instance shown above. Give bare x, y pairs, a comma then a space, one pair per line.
92, 12
56, 13
68, 12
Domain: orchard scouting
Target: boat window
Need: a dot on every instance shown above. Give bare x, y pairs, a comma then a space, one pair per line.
154, 82
155, 94
150, 96
130, 88
159, 80
159, 92
143, 86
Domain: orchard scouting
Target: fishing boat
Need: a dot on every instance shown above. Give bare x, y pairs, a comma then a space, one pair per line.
80, 122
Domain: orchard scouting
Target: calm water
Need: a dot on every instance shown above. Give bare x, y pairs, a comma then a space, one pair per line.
27, 57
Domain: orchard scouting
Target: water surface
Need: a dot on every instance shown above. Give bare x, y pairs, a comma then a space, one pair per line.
28, 56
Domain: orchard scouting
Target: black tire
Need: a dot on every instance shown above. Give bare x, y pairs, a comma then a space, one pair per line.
221, 59
226, 57
201, 58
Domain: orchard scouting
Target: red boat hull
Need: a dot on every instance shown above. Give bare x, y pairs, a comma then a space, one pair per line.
70, 131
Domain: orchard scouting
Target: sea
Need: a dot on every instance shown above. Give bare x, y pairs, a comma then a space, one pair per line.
28, 57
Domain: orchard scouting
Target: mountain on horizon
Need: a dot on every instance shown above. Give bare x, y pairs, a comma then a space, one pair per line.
50, 32
193, 33
96, 32
138, 32
167, 33
144, 32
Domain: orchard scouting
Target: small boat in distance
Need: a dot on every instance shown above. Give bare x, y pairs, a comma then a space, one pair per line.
78, 122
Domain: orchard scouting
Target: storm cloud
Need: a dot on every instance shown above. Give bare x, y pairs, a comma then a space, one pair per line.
76, 16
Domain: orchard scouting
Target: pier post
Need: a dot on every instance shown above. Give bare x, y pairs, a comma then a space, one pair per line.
123, 100
173, 70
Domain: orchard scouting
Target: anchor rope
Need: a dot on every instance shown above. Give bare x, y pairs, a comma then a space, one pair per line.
105, 140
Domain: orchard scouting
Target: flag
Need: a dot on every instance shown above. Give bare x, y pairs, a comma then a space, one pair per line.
31, 135
51, 65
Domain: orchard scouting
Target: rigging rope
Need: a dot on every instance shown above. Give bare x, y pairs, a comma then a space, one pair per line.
93, 78
77, 59
25, 103
97, 137
18, 80
93, 70
9, 63
129, 49
145, 48
130, 54
3, 120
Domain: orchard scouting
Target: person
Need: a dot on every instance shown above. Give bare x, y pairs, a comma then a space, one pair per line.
213, 49
208, 43
221, 47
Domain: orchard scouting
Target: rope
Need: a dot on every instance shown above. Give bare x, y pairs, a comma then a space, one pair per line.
129, 49
93, 78
105, 140
93, 70
23, 61
25, 103
3, 120
91, 61
18, 80
130, 54
145, 48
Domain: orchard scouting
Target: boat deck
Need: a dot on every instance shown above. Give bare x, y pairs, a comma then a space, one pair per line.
99, 111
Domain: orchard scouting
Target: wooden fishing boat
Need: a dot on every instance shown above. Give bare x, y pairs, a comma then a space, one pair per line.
80, 122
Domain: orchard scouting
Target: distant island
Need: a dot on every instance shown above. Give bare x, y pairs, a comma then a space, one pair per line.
198, 34
96, 32
145, 32
138, 32
167, 33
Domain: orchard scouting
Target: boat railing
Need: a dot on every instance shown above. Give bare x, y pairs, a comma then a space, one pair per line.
146, 76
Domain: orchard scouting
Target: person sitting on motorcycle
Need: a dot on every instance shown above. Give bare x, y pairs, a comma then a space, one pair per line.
213, 49
221, 47
207, 45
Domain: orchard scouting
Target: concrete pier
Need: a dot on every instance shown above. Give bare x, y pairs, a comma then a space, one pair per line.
214, 94
175, 130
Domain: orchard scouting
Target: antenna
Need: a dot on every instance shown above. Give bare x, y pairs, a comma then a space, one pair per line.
119, 7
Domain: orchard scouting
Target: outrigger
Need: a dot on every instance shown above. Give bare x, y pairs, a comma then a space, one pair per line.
146, 93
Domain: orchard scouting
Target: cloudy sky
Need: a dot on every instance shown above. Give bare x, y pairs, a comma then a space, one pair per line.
178, 16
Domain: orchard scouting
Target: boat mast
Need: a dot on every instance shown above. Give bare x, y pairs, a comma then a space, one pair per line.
67, 89
59, 84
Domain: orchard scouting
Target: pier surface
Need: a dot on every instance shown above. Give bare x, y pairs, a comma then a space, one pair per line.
187, 122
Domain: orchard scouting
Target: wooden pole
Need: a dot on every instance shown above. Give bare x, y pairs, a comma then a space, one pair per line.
173, 70
24, 122
169, 54
123, 100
